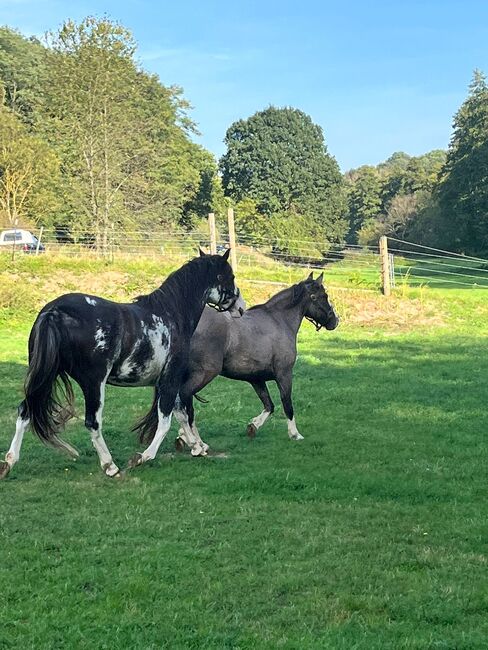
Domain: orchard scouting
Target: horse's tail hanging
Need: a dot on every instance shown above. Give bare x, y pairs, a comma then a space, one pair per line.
146, 427
49, 401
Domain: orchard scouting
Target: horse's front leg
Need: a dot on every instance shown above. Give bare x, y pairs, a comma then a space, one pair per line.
165, 404
284, 384
167, 390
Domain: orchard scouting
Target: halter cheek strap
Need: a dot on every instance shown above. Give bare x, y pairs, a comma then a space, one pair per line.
317, 326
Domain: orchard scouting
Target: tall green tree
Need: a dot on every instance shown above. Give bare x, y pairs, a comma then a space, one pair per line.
364, 195
29, 174
22, 73
278, 158
463, 190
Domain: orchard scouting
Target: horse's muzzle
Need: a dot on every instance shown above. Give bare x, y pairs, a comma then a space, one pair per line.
332, 323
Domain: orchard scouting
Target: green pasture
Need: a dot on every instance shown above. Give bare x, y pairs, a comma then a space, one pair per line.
372, 533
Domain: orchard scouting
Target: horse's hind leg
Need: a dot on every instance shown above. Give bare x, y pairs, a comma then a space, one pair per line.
263, 394
187, 431
187, 418
94, 394
13, 453
284, 385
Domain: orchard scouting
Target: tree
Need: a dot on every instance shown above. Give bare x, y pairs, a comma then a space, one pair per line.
28, 174
278, 159
122, 136
463, 190
22, 73
364, 197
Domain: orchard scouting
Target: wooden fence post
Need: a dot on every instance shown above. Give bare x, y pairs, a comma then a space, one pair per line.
39, 240
385, 266
213, 236
232, 238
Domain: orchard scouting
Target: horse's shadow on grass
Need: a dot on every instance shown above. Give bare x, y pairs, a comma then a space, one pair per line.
340, 385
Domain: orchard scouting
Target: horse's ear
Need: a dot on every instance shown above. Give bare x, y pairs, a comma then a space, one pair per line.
201, 252
320, 278
310, 277
225, 256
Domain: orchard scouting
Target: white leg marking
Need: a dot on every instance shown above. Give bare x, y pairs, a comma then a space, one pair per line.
164, 423
188, 435
293, 431
260, 419
13, 454
106, 461
196, 433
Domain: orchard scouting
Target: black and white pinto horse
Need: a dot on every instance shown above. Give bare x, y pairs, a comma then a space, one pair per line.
260, 346
96, 341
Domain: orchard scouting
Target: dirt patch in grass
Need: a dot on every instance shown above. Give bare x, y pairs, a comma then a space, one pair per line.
396, 312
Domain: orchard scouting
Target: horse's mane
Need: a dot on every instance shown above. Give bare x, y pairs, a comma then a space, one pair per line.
285, 298
181, 284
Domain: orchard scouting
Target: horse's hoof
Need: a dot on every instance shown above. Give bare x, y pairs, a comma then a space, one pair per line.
251, 430
179, 444
198, 450
135, 461
111, 470
4, 469
297, 436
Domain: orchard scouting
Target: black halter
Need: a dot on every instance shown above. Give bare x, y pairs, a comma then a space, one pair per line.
226, 294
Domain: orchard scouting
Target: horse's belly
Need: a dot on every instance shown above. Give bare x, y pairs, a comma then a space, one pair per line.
247, 369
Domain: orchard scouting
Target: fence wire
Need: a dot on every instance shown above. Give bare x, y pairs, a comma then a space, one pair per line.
411, 264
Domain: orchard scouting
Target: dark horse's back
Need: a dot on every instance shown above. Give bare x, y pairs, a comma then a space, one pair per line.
101, 336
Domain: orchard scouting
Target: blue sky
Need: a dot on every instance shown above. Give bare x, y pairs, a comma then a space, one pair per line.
377, 76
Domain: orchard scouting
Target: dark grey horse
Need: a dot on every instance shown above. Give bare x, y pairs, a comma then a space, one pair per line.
260, 346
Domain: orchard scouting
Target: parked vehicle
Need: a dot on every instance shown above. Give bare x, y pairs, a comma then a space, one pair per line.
21, 240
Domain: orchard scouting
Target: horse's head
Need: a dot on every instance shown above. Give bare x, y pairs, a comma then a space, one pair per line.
318, 307
223, 294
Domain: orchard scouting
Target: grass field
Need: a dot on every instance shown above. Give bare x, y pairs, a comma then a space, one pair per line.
371, 533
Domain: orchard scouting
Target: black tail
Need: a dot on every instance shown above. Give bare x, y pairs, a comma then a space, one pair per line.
147, 426
49, 402
200, 399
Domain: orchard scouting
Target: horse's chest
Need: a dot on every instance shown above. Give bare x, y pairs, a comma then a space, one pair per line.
145, 362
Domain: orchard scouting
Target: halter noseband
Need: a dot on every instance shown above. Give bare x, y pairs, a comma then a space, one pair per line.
226, 294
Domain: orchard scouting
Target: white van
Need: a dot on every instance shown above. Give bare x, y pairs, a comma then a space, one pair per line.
19, 239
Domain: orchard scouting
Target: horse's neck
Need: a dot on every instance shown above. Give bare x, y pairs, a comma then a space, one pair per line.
292, 316
186, 299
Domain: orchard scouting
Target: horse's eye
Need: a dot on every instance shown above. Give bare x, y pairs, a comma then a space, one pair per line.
220, 277
313, 296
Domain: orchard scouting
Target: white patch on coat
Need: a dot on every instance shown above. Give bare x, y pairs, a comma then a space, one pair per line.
101, 343
147, 374
214, 296
90, 301
160, 351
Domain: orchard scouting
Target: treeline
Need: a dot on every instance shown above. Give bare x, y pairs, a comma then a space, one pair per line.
90, 142
439, 199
